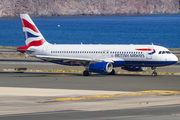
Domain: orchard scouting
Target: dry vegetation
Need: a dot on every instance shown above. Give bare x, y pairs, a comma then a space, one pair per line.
81, 71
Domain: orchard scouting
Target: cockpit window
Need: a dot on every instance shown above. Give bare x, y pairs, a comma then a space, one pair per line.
164, 52
168, 52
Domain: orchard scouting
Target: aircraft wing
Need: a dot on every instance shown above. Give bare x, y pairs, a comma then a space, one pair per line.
73, 58
79, 59
65, 58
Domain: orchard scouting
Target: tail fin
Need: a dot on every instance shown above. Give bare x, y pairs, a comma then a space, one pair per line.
32, 35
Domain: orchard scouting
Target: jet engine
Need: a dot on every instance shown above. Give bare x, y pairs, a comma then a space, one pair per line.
100, 67
134, 68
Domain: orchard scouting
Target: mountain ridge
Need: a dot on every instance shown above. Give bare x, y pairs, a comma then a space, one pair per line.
36, 8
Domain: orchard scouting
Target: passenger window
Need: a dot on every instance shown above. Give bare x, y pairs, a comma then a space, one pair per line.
163, 52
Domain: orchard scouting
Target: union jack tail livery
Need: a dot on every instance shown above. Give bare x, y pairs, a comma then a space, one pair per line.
32, 35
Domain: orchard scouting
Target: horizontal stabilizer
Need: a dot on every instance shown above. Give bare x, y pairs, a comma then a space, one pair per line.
25, 50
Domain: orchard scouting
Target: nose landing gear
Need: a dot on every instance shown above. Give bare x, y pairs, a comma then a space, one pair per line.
154, 73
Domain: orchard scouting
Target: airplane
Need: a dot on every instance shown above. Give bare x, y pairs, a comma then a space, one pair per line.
95, 58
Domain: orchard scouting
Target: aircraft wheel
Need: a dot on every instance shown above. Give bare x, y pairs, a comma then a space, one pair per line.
112, 72
154, 73
86, 73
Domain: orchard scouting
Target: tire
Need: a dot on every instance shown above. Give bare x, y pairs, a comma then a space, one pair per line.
154, 74
86, 73
112, 72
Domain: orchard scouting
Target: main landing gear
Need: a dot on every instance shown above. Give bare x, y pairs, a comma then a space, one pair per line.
87, 73
154, 73
112, 72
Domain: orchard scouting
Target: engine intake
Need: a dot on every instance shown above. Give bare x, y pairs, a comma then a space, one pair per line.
100, 67
134, 68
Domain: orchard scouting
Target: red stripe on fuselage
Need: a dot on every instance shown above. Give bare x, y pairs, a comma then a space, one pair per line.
25, 23
146, 49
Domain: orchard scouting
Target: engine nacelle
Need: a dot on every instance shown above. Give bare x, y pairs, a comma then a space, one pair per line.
133, 68
100, 67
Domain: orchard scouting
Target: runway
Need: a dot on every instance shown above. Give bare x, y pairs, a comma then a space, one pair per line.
44, 96
120, 82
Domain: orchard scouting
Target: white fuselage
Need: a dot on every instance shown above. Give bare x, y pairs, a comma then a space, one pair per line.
132, 55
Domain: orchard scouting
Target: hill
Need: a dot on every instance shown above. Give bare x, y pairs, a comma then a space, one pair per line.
12, 8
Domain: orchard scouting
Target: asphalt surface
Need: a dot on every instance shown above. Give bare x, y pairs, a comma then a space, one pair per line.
120, 82
151, 113
88, 109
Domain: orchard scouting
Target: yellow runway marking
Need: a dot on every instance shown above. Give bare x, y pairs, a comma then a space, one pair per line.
67, 99
149, 92
162, 91
118, 95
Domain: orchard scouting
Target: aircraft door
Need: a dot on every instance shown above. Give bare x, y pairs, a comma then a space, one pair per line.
44, 50
148, 53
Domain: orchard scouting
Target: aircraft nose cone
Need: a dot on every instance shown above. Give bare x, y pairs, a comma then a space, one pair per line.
174, 58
